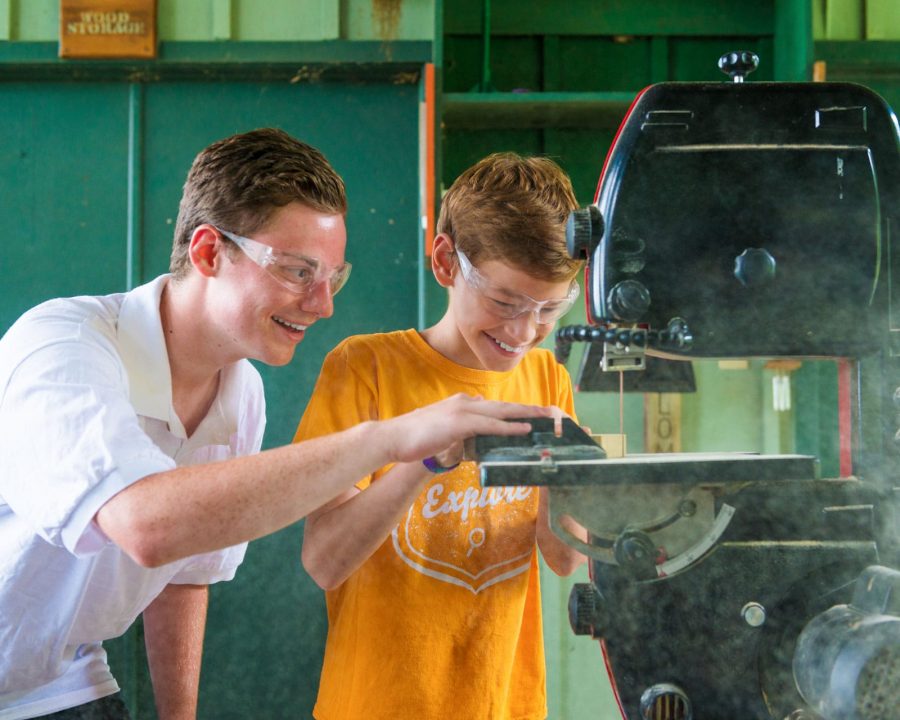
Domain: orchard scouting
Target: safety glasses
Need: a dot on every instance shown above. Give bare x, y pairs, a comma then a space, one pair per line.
509, 305
298, 273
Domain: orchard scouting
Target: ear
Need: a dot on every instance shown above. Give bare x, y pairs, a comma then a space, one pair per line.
205, 250
443, 260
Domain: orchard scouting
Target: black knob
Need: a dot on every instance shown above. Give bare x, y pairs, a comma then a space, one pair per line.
628, 300
584, 229
738, 64
584, 610
635, 552
754, 267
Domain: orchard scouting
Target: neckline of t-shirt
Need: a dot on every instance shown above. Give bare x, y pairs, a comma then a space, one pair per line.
454, 369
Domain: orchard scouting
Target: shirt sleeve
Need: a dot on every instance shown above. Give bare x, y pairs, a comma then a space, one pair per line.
70, 440
343, 397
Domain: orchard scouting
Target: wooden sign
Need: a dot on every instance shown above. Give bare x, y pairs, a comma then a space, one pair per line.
107, 28
662, 422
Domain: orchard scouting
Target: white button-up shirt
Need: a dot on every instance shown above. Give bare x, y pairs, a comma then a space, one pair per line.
85, 411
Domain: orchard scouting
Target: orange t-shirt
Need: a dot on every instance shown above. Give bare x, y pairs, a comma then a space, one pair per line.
444, 620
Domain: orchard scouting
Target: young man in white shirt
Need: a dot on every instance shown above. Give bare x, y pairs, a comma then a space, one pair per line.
130, 429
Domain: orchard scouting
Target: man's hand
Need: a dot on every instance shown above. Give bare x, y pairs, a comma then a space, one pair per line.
440, 428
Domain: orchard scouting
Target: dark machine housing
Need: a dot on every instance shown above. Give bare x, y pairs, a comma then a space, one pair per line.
742, 219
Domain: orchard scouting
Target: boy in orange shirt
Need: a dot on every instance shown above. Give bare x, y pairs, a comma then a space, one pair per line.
432, 581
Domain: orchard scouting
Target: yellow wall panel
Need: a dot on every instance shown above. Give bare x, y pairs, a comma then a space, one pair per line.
844, 19
388, 19
883, 20
286, 19
856, 19
184, 19
34, 20
192, 20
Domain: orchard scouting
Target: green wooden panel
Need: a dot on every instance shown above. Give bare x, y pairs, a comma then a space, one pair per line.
463, 148
793, 41
64, 230
515, 63
604, 64
581, 152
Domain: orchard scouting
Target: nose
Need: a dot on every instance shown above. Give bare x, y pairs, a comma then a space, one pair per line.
319, 300
523, 328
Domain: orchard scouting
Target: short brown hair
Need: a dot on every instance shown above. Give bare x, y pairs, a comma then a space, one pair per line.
512, 208
239, 182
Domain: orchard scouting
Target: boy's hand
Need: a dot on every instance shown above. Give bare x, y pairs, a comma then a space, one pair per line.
440, 428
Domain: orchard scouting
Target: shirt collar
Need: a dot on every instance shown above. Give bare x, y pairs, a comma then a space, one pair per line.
142, 346
143, 349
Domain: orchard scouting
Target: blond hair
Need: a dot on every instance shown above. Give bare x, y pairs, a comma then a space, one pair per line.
512, 208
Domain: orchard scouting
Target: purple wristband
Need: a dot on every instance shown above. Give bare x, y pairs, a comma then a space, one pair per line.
434, 466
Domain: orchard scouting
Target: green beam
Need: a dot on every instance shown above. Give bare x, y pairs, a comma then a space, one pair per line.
793, 40
135, 191
659, 59
304, 62
472, 111
613, 17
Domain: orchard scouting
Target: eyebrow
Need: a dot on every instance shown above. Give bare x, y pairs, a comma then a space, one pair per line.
293, 256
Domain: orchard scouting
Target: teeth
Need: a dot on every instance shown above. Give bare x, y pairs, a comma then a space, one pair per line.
292, 326
508, 348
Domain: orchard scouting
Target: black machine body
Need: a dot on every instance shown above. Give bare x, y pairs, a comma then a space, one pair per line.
739, 220
758, 213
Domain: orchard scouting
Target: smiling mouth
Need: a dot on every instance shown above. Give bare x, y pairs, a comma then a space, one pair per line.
508, 348
289, 325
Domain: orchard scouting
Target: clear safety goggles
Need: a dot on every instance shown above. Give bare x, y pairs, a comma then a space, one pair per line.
509, 305
298, 273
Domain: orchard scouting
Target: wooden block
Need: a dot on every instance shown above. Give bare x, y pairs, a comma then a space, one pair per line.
614, 444
107, 29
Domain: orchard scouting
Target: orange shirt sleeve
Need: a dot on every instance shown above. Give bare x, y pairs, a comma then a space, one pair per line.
341, 398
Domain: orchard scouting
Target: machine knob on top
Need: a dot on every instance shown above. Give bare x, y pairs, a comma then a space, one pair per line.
738, 64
